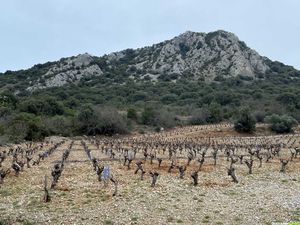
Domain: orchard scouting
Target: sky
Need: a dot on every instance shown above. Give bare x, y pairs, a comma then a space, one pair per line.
37, 31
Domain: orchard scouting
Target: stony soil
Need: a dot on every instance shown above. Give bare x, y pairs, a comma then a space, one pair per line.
264, 197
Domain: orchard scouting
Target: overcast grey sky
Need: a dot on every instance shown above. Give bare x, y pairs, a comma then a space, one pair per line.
37, 31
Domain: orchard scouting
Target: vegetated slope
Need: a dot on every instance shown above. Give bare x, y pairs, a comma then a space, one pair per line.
206, 76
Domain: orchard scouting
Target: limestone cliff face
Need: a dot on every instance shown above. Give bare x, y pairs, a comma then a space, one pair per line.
202, 56
70, 70
199, 54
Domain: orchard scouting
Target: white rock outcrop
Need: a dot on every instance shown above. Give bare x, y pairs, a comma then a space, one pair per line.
205, 55
198, 55
68, 71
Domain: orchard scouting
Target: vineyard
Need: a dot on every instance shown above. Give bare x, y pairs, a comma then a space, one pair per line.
192, 175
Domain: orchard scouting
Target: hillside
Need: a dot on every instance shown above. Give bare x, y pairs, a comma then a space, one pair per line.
196, 56
193, 78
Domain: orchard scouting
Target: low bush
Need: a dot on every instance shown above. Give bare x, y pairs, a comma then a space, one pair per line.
281, 123
246, 121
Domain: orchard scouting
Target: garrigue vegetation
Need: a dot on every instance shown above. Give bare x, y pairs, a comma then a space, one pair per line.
281, 124
115, 103
102, 108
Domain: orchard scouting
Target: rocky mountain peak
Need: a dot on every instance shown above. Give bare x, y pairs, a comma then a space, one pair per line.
202, 56
82, 59
193, 55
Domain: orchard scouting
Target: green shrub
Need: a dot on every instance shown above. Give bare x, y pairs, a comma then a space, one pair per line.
47, 106
59, 125
132, 114
199, 117
259, 116
86, 119
245, 122
25, 126
169, 98
93, 121
159, 118
148, 116
165, 118
111, 122
215, 113
8, 99
281, 123
5, 111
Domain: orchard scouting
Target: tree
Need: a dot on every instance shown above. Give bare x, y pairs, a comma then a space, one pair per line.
246, 122
199, 117
259, 116
8, 99
169, 98
148, 116
93, 121
281, 124
110, 122
59, 125
48, 106
158, 117
86, 120
165, 118
215, 113
132, 114
25, 126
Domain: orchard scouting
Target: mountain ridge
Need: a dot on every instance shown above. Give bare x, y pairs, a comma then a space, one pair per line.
194, 78
202, 54
212, 56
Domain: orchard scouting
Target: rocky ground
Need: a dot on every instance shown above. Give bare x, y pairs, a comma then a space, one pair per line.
264, 197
